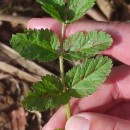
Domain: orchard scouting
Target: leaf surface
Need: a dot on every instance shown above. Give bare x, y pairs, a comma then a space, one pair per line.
77, 8
80, 45
41, 45
66, 12
46, 94
56, 8
84, 79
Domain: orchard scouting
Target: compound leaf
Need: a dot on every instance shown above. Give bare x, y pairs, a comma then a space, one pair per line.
56, 8
46, 94
77, 8
36, 44
84, 79
68, 11
80, 45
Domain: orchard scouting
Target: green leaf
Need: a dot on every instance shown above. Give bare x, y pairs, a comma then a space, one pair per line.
77, 8
56, 8
36, 44
84, 79
46, 94
66, 12
80, 45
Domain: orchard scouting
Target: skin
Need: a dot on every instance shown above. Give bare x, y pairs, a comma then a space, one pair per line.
109, 107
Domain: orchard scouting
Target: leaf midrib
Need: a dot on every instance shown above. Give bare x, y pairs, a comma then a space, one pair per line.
89, 75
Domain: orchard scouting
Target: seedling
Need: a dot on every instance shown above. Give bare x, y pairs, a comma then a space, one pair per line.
43, 45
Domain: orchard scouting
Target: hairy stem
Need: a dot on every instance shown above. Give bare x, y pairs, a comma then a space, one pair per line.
68, 112
62, 37
61, 60
62, 73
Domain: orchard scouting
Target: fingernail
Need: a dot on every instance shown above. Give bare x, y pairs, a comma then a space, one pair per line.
77, 123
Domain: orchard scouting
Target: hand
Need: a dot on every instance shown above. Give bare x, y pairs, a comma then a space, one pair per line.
109, 107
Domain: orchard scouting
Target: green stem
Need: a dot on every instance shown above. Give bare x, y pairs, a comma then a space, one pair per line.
62, 73
68, 112
62, 37
61, 60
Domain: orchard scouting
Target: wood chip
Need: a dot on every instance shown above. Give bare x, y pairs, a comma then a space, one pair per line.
17, 72
29, 65
96, 15
106, 7
14, 19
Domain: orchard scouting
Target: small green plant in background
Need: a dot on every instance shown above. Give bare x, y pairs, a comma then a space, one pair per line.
43, 45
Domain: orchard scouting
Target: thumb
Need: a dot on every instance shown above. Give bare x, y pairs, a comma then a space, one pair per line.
95, 121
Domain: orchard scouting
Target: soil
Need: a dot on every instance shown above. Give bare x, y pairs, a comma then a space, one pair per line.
13, 88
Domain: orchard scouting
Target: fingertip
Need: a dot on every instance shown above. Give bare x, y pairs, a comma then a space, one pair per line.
32, 23
39, 23
45, 23
96, 121
58, 120
77, 123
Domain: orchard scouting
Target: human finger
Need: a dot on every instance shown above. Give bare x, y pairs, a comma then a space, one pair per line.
45, 23
121, 110
96, 121
115, 90
57, 121
118, 30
